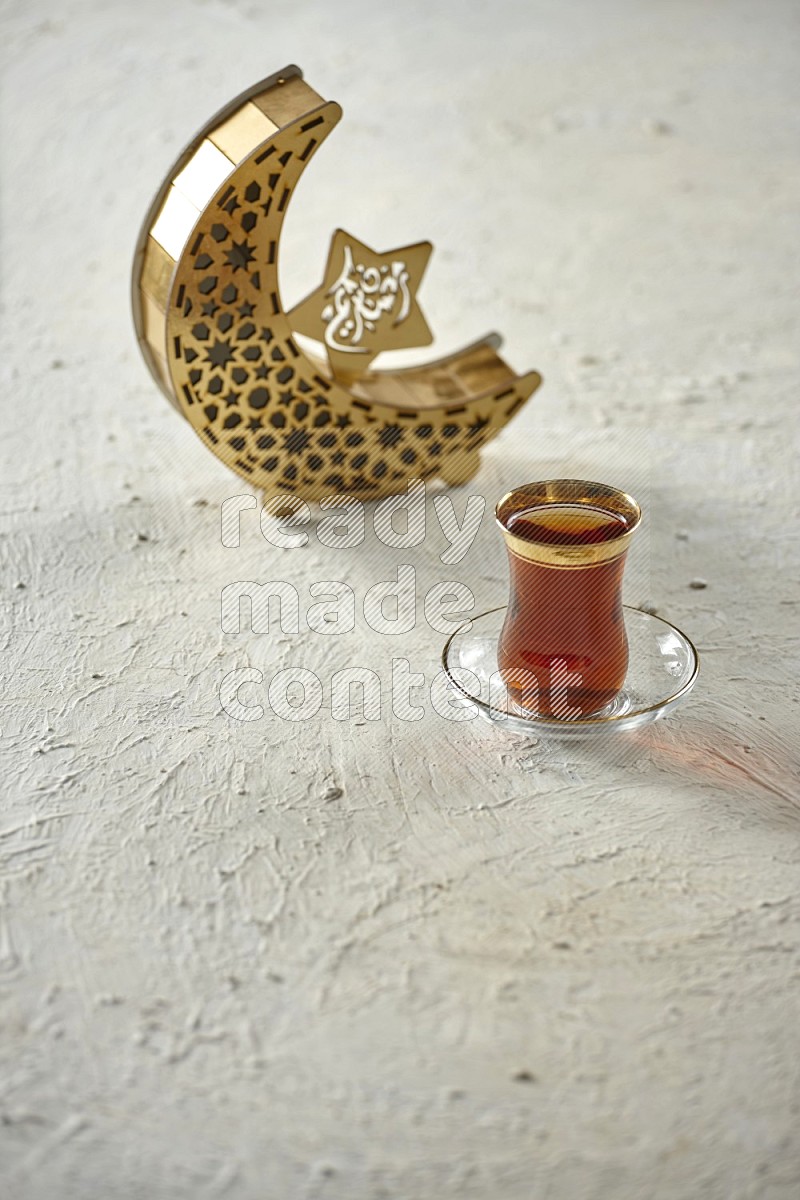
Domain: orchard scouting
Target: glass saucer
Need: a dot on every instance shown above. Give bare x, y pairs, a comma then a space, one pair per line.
662, 670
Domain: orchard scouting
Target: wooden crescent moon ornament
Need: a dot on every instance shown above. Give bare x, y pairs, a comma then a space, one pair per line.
213, 331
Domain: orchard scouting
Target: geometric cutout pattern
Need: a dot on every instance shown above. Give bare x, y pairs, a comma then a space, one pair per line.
268, 409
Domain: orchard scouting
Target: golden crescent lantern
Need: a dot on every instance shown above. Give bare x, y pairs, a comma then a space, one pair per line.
214, 333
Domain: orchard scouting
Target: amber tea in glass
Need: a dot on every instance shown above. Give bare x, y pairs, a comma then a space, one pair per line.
563, 651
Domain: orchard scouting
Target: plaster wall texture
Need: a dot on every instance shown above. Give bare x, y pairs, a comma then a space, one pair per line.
403, 959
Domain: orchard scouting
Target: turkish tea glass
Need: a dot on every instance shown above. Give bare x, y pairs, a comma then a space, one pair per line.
563, 650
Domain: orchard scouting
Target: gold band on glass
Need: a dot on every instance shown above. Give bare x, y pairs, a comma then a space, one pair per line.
567, 491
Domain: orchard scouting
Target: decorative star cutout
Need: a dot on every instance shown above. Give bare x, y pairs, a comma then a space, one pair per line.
367, 303
477, 426
296, 441
220, 353
240, 255
390, 435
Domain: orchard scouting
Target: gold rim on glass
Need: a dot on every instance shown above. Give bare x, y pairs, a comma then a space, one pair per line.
567, 491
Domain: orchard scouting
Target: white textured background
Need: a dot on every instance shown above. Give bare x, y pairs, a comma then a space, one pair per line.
357, 961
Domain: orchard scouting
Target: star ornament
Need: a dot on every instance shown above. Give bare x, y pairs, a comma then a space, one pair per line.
367, 303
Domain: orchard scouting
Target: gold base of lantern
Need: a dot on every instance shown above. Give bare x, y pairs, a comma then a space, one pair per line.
213, 331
